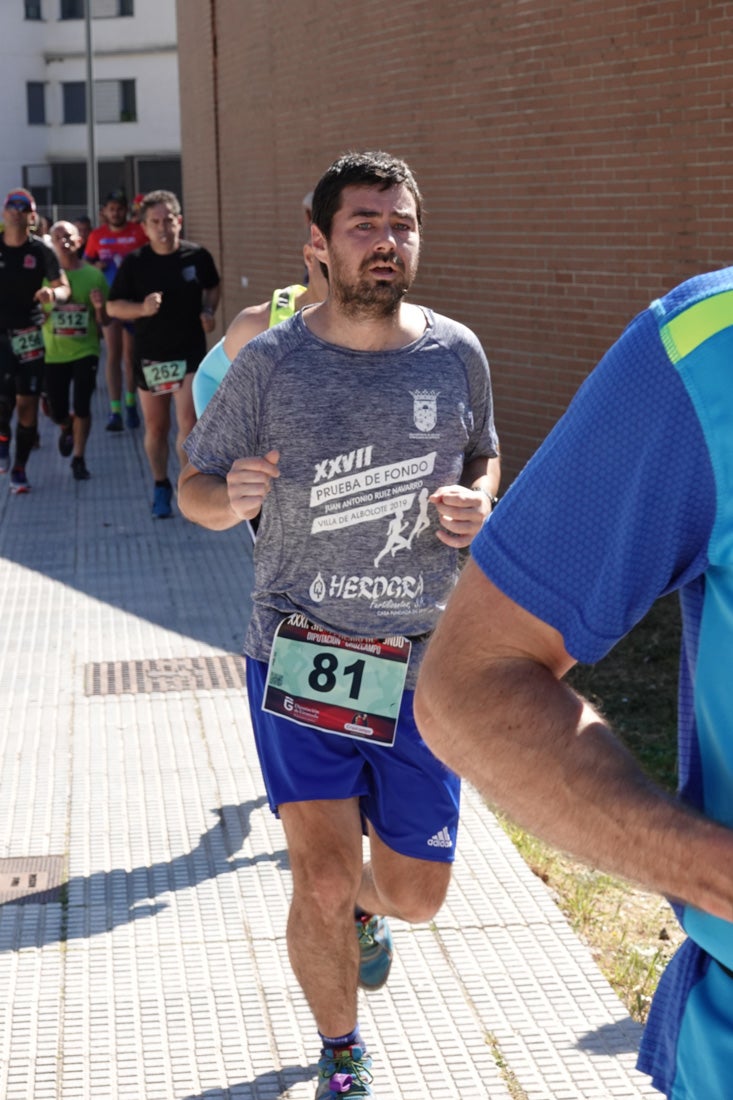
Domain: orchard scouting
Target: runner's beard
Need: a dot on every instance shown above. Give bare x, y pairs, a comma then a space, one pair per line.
365, 297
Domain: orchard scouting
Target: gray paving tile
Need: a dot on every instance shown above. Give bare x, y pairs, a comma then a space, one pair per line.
163, 973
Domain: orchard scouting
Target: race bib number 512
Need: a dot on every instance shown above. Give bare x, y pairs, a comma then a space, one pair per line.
348, 686
70, 320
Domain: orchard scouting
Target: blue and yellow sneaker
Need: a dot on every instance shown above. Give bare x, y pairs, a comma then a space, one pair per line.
344, 1072
375, 946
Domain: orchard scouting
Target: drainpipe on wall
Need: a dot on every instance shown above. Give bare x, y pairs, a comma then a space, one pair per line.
217, 148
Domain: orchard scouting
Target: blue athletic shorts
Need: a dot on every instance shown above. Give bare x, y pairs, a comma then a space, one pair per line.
410, 798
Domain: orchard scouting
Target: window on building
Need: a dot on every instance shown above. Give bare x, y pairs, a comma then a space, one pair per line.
75, 101
33, 9
70, 183
101, 9
114, 176
114, 101
110, 9
35, 91
156, 172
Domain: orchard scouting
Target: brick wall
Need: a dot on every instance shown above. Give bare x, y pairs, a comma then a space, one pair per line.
574, 158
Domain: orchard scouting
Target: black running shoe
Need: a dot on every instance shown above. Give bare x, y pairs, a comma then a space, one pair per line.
66, 439
79, 468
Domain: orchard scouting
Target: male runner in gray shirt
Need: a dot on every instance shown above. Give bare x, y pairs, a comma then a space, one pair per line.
362, 431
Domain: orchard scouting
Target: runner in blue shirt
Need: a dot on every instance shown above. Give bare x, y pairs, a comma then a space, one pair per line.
630, 497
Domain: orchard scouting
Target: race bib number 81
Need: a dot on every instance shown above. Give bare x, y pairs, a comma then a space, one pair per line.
348, 686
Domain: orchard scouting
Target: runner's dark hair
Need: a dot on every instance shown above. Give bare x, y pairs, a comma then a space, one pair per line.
370, 169
154, 197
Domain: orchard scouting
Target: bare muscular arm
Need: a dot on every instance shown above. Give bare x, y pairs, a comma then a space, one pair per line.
220, 503
491, 703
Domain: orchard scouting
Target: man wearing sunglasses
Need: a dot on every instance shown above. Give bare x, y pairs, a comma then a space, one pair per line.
30, 277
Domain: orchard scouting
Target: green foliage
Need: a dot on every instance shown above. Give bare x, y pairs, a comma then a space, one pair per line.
635, 688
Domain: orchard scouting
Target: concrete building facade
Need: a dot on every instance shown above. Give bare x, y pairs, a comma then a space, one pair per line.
574, 158
43, 69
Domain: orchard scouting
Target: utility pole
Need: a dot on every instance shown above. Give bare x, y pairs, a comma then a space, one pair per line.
92, 179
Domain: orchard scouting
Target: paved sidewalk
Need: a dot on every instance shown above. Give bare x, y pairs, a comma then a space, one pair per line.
158, 970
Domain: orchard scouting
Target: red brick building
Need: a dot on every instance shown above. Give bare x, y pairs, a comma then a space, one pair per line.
575, 159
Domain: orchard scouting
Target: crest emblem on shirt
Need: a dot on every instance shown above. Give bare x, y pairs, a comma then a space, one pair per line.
425, 409
29, 261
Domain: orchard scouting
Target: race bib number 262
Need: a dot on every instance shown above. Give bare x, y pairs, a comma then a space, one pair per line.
164, 377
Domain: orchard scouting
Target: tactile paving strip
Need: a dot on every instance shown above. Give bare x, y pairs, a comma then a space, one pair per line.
162, 972
169, 674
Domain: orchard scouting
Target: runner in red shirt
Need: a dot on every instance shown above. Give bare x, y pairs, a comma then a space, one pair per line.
106, 247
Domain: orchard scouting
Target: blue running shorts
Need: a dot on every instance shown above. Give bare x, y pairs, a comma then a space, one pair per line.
410, 798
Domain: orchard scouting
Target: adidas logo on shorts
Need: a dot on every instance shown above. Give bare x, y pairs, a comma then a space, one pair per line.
441, 839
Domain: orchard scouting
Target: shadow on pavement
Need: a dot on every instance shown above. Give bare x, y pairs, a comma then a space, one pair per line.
100, 902
99, 537
267, 1086
620, 1037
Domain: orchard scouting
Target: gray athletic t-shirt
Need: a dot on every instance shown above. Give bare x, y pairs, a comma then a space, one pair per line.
346, 535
